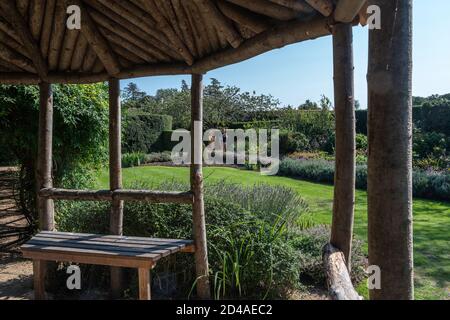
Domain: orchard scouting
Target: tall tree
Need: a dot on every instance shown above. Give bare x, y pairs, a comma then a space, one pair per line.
390, 151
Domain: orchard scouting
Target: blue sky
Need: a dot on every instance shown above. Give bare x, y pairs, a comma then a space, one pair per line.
304, 70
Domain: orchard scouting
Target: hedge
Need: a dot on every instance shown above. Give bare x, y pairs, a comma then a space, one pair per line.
429, 185
143, 130
427, 118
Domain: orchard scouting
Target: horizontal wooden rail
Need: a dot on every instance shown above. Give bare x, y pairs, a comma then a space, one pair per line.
340, 285
126, 195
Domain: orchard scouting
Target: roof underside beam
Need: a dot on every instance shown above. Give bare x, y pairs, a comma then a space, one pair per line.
347, 10
96, 40
13, 16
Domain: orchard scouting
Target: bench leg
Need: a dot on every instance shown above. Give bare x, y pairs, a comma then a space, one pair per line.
144, 284
39, 271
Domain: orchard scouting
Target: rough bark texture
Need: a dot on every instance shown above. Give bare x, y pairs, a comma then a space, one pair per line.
201, 251
115, 173
390, 150
44, 165
344, 181
340, 285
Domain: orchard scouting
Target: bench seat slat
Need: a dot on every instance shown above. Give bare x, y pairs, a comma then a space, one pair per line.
121, 242
155, 250
103, 250
111, 237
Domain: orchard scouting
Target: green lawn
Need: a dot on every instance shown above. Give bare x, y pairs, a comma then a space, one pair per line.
431, 218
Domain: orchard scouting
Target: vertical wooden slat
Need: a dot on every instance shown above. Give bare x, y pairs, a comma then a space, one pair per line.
144, 284
39, 271
44, 163
115, 174
201, 252
344, 181
390, 151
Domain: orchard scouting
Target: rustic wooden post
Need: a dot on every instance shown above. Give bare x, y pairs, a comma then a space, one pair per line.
115, 174
344, 179
44, 179
390, 150
201, 251
44, 163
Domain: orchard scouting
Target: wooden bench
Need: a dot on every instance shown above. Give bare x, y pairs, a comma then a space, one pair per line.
115, 251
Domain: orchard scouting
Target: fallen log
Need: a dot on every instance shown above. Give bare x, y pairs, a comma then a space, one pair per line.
340, 285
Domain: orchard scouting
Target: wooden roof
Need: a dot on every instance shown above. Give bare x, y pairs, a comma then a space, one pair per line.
135, 38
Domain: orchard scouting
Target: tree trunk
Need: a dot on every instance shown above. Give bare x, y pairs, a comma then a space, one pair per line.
344, 181
44, 165
201, 251
115, 174
390, 151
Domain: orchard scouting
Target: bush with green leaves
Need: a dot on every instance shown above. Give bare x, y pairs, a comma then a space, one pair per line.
426, 184
248, 229
142, 130
134, 159
80, 134
293, 142
310, 242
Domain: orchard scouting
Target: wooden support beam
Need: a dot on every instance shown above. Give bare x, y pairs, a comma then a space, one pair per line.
96, 40
121, 194
47, 24
297, 5
243, 16
16, 59
340, 285
144, 284
44, 179
390, 151
115, 174
12, 14
347, 10
345, 164
166, 28
325, 7
44, 162
201, 253
276, 37
39, 275
267, 8
215, 17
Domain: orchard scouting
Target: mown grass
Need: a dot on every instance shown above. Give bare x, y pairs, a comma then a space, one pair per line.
431, 218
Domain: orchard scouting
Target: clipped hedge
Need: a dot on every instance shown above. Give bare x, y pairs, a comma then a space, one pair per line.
143, 130
429, 185
164, 142
427, 118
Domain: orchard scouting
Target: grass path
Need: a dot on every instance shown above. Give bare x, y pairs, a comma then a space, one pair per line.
431, 218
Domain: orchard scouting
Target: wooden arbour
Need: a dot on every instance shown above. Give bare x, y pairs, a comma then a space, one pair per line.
140, 38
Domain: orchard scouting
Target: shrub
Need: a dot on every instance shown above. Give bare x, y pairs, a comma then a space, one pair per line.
361, 142
134, 159
309, 244
80, 134
292, 142
248, 231
157, 157
165, 143
426, 184
142, 130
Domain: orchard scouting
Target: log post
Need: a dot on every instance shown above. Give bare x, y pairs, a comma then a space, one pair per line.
115, 174
44, 179
201, 251
390, 151
44, 160
344, 180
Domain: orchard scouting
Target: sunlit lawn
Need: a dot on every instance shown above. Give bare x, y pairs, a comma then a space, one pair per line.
431, 218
